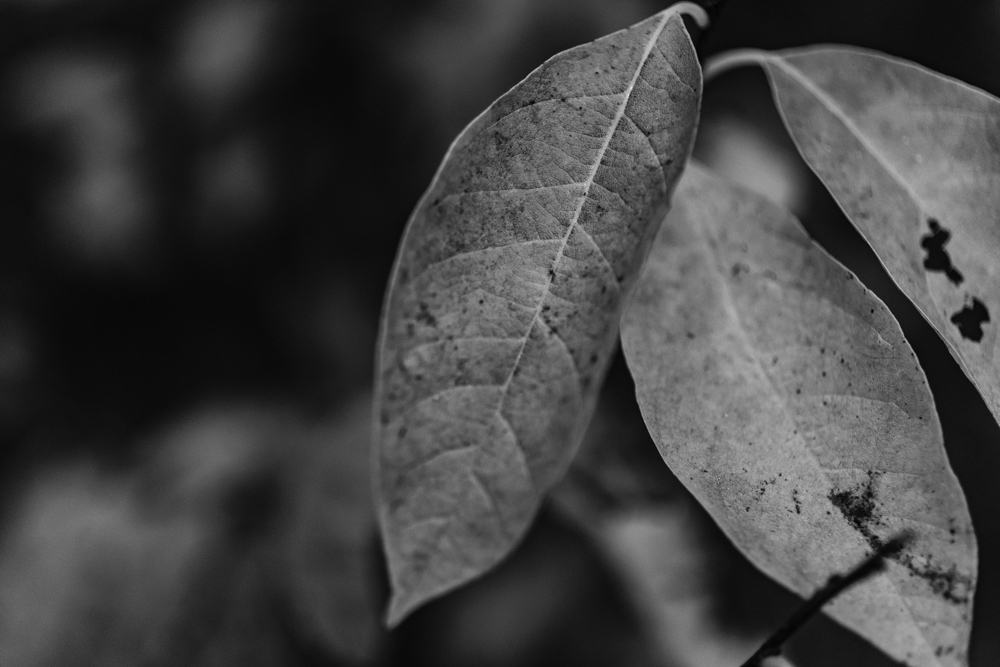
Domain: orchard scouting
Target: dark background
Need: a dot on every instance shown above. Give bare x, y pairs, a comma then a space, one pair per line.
200, 202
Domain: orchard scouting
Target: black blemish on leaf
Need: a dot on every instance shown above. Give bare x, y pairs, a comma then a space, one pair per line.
946, 582
858, 507
937, 258
970, 320
425, 316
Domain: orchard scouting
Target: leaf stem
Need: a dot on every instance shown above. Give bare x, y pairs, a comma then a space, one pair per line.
713, 7
693, 9
834, 587
727, 60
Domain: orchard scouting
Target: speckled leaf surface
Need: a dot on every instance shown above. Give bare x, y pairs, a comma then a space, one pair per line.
504, 304
913, 159
783, 394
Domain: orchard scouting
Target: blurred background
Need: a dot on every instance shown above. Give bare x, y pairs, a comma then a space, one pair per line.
200, 202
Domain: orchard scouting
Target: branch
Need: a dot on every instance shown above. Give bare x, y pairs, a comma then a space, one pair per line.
834, 587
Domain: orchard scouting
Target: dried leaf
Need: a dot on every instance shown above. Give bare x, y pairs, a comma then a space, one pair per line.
913, 159
504, 304
783, 394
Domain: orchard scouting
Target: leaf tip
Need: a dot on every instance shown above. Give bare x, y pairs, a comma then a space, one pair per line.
395, 613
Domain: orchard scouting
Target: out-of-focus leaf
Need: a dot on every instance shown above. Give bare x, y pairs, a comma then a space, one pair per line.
913, 159
665, 569
504, 303
783, 394
333, 584
87, 577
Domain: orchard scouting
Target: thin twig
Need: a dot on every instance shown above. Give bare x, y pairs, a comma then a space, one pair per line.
834, 587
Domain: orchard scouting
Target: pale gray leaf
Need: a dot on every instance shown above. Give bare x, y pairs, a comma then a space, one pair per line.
782, 393
913, 159
504, 303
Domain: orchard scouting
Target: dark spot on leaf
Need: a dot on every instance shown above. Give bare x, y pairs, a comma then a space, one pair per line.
945, 581
690, 335
937, 258
425, 316
858, 507
970, 320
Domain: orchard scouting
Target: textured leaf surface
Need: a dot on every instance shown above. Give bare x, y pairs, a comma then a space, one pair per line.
913, 158
783, 394
505, 300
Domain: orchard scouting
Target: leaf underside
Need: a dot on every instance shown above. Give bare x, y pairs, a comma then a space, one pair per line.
504, 304
913, 159
783, 394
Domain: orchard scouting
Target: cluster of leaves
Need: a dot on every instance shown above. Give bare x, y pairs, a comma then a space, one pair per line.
776, 386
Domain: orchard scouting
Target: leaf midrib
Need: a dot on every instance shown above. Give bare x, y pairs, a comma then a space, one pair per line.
588, 184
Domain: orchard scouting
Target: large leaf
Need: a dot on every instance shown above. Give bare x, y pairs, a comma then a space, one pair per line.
783, 394
913, 159
504, 303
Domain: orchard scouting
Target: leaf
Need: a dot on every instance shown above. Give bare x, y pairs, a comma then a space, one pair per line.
503, 307
332, 585
783, 394
666, 571
913, 159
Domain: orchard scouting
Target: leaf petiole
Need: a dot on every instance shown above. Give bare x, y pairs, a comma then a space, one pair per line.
727, 60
